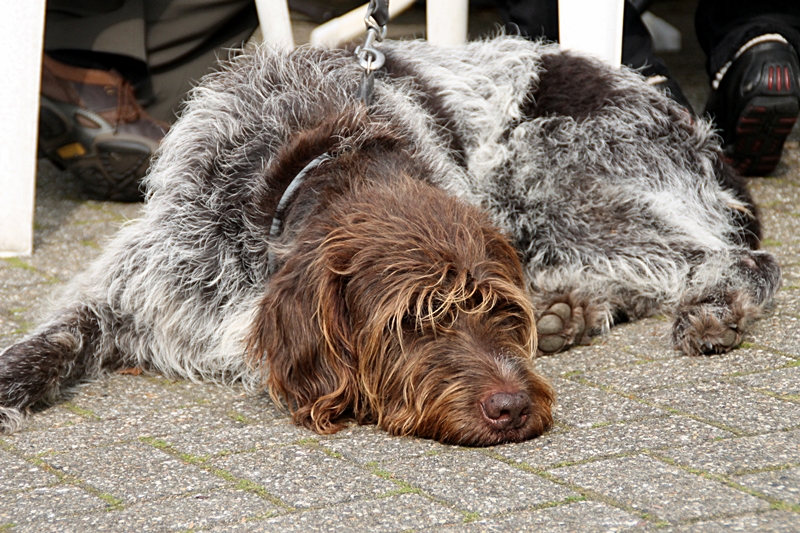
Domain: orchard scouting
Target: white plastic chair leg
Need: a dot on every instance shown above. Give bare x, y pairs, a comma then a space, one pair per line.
594, 26
21, 36
273, 19
446, 21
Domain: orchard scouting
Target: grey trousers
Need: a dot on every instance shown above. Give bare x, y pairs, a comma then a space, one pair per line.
169, 43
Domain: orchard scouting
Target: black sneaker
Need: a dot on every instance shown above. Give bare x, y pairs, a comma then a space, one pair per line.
756, 103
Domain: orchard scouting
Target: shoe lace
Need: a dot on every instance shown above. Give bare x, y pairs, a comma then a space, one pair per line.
128, 109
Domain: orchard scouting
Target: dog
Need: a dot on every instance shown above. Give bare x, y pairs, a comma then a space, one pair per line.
397, 264
293, 239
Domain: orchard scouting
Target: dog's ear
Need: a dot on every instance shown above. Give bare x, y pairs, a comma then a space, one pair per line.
301, 341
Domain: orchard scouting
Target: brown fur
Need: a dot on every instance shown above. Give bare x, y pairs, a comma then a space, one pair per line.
404, 307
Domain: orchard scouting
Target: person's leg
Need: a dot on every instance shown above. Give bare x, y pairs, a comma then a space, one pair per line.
638, 52
98, 51
530, 18
723, 26
752, 50
90, 120
184, 40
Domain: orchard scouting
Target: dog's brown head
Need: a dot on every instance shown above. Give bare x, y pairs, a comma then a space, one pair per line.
404, 307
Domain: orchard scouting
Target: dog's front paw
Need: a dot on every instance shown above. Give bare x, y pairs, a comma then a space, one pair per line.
561, 326
714, 326
703, 332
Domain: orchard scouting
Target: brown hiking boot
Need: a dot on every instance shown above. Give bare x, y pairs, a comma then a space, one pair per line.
91, 124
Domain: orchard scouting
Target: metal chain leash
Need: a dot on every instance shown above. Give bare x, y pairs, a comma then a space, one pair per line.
369, 57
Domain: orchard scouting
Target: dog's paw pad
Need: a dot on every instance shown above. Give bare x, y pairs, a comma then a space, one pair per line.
729, 338
551, 343
558, 327
562, 310
550, 325
723, 342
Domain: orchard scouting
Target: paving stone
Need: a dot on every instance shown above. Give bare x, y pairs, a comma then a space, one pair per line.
130, 427
584, 516
134, 472
255, 408
370, 445
120, 395
769, 522
787, 301
473, 482
21, 308
236, 438
397, 513
790, 272
778, 333
47, 503
18, 474
582, 444
51, 418
784, 381
231, 399
780, 484
202, 510
598, 355
741, 454
18, 272
728, 404
659, 374
70, 247
662, 490
305, 477
583, 406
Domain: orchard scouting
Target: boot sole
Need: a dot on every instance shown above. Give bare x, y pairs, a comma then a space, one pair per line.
109, 166
761, 130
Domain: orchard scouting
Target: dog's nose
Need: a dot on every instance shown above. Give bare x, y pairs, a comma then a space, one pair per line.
505, 410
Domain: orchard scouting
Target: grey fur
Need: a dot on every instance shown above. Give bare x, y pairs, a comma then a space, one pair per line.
616, 208
614, 195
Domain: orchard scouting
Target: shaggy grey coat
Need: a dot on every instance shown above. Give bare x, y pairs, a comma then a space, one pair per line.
616, 199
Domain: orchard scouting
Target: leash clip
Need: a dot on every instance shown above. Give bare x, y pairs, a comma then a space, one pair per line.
369, 57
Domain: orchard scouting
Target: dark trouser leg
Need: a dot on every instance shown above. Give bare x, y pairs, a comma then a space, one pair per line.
724, 25
184, 40
162, 46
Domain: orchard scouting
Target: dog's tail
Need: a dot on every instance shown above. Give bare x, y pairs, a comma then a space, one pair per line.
62, 353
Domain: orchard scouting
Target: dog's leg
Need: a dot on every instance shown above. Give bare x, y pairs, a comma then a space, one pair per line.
746, 221
564, 319
726, 293
61, 354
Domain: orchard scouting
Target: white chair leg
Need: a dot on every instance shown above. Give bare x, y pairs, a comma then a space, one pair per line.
21, 36
446, 21
593, 26
351, 24
273, 19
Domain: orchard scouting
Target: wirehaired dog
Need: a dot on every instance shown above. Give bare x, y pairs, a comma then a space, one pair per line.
336, 254
295, 240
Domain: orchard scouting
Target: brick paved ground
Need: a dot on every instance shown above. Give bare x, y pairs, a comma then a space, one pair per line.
645, 438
